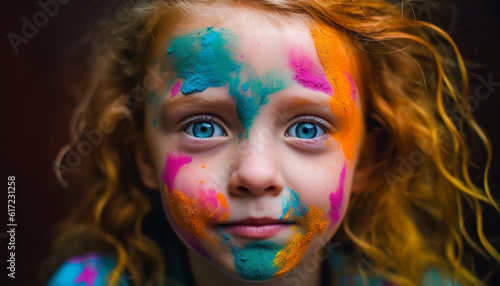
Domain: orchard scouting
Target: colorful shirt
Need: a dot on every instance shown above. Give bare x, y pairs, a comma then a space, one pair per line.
85, 270
94, 270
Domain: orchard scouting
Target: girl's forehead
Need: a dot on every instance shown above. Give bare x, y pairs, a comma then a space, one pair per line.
264, 46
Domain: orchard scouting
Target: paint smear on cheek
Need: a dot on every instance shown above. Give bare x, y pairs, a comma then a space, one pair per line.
172, 166
194, 215
336, 65
336, 199
307, 74
312, 222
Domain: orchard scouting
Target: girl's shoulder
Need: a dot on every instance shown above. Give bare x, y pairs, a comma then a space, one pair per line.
346, 273
91, 269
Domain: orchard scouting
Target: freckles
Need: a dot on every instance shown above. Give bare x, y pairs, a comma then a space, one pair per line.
336, 199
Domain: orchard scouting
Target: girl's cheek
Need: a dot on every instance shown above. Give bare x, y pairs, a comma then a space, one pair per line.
192, 206
337, 198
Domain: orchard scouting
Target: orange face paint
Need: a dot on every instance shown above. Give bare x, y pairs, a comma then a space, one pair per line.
288, 257
193, 215
333, 57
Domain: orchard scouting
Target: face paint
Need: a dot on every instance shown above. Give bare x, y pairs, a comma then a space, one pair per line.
252, 243
307, 74
175, 89
262, 260
354, 90
336, 65
336, 199
255, 260
191, 214
206, 58
312, 222
172, 167
89, 272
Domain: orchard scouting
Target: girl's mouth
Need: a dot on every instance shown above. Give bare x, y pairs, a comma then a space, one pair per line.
256, 228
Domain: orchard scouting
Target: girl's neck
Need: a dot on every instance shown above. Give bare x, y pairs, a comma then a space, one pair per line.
205, 274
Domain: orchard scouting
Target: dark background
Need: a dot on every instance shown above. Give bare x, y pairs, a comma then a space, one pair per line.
35, 111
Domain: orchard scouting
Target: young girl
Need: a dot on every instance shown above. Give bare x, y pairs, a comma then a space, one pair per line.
289, 143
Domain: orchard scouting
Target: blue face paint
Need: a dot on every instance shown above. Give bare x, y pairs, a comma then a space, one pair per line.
206, 58
226, 239
292, 205
203, 59
255, 260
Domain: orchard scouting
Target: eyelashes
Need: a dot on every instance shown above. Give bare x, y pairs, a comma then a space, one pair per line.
205, 126
308, 127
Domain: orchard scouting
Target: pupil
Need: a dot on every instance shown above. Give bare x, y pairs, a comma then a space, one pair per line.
306, 130
203, 129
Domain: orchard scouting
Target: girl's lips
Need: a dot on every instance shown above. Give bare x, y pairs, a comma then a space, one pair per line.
256, 228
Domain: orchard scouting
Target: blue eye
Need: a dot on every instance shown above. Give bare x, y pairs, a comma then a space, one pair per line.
204, 129
305, 130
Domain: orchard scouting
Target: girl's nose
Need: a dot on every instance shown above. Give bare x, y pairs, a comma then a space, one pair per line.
257, 173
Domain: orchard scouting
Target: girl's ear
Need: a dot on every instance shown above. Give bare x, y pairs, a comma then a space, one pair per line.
145, 166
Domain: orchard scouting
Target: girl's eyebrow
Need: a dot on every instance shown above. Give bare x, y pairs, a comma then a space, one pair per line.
197, 99
300, 100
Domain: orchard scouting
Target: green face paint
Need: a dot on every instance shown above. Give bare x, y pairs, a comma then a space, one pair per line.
255, 260
207, 58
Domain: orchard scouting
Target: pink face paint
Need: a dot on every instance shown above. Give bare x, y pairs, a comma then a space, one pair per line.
172, 167
354, 90
208, 199
175, 89
84, 258
87, 276
336, 199
308, 74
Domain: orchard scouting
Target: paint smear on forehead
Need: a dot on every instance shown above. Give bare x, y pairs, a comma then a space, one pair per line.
207, 58
334, 60
307, 73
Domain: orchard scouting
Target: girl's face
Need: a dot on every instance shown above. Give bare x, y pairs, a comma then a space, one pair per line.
254, 136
